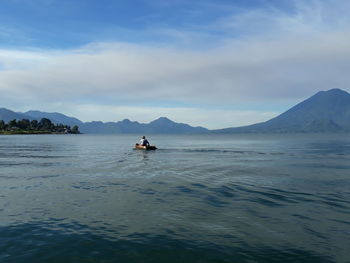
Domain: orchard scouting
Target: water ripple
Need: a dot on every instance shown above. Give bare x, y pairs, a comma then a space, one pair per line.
196, 199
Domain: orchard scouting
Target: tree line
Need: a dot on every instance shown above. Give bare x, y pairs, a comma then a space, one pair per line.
43, 126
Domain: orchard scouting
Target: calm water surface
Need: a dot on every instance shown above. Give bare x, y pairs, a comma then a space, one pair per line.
91, 198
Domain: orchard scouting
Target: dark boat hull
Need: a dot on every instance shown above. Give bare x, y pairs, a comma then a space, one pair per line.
140, 147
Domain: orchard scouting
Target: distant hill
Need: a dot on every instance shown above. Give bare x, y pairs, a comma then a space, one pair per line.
8, 115
326, 111
164, 125
57, 118
54, 117
161, 126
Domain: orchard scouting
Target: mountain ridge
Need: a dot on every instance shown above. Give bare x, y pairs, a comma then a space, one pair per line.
325, 111
54, 116
161, 125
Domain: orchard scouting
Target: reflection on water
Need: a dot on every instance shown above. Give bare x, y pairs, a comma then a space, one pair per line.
197, 199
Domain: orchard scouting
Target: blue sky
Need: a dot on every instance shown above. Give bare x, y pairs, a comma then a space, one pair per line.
212, 63
68, 24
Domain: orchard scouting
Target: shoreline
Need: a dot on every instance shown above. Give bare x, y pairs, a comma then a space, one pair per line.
32, 133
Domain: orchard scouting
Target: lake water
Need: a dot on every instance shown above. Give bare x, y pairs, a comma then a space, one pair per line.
222, 198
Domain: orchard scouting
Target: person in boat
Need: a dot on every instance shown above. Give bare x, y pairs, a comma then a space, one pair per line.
144, 141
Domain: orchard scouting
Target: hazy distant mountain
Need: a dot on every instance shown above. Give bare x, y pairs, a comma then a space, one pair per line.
54, 117
326, 111
164, 125
8, 115
161, 126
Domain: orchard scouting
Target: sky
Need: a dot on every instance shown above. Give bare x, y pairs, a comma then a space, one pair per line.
210, 63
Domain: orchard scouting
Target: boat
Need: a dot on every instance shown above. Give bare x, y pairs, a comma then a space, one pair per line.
140, 147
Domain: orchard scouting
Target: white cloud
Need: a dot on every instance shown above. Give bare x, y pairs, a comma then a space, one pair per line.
252, 70
301, 18
22, 60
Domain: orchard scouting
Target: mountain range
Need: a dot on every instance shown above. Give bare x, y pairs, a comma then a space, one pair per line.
326, 111
161, 125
